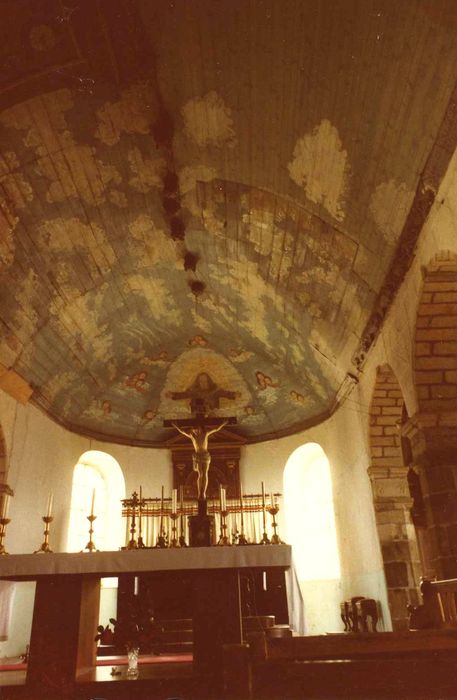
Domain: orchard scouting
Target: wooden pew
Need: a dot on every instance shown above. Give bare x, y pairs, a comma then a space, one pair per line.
348, 665
386, 664
439, 609
363, 645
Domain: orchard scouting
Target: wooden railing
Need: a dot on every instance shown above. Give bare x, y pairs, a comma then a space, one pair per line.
439, 608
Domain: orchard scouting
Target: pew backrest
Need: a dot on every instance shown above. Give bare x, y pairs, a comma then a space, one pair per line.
362, 645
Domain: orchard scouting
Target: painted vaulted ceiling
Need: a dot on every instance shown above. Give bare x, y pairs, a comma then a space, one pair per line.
211, 196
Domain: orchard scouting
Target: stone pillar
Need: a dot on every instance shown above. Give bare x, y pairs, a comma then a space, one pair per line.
433, 439
392, 504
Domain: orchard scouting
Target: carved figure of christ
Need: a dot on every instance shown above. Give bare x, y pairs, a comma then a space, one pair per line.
201, 458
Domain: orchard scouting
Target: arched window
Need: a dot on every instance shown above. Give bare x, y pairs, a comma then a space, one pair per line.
310, 529
99, 473
310, 518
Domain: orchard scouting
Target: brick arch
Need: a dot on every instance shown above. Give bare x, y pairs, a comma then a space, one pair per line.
391, 496
433, 430
435, 349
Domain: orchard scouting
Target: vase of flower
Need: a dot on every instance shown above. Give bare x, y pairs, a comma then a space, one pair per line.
132, 658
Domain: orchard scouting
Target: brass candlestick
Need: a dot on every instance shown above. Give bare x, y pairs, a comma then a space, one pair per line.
132, 544
140, 544
174, 529
223, 539
264, 539
161, 539
3, 523
182, 537
90, 546
242, 537
273, 509
47, 519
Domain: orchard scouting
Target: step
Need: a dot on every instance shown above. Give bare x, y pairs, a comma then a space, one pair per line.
176, 636
175, 647
179, 624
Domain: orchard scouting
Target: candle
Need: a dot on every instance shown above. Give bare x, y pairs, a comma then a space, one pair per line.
174, 500
241, 509
6, 505
49, 508
140, 523
272, 499
221, 502
92, 502
263, 508
161, 515
224, 501
181, 497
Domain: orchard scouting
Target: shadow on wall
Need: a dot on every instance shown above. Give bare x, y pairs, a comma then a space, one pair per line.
311, 530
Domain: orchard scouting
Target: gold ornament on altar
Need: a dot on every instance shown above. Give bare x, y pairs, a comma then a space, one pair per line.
47, 519
169, 515
273, 509
90, 546
4, 520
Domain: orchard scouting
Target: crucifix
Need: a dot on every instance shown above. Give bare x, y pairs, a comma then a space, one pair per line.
198, 430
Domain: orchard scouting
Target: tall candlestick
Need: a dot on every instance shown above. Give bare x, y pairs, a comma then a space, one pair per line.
140, 520
49, 508
161, 514
92, 502
242, 537
6, 505
161, 540
264, 539
182, 538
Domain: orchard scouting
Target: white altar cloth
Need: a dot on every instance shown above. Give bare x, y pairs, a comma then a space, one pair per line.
32, 566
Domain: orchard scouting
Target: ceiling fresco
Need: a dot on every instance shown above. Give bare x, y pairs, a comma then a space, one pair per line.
206, 197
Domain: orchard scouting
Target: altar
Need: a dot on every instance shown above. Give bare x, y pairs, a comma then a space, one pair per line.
65, 617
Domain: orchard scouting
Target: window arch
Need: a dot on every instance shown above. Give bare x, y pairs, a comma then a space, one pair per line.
96, 471
309, 514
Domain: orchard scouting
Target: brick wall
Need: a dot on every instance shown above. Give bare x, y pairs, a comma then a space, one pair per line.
435, 365
436, 338
392, 500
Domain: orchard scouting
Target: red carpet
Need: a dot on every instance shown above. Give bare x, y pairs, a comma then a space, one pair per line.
13, 667
119, 661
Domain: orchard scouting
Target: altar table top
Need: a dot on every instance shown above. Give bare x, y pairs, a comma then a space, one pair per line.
32, 566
